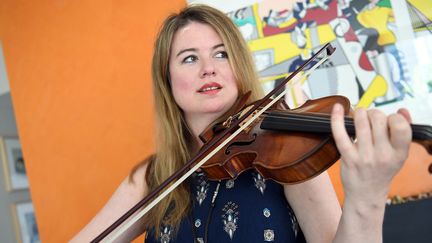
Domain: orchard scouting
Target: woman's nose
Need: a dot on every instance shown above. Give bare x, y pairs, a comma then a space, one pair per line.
207, 69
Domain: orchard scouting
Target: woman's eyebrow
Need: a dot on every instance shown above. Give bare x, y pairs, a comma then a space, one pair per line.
185, 50
195, 49
218, 45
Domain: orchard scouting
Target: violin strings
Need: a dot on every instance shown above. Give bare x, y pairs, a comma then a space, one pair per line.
303, 122
316, 119
423, 132
321, 122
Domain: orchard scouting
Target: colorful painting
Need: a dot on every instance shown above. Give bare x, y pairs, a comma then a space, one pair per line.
376, 63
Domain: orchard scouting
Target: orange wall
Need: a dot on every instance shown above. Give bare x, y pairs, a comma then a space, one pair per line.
81, 90
80, 83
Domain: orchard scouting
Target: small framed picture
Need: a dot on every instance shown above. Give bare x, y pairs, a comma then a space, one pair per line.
25, 223
13, 163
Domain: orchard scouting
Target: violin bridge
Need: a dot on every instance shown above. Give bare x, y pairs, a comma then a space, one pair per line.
227, 123
251, 116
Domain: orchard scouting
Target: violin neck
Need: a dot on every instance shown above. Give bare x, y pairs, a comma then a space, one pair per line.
320, 123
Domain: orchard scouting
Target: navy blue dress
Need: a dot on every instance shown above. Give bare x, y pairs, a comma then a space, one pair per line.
247, 209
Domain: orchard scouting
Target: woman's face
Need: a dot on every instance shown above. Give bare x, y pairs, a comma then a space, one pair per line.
202, 81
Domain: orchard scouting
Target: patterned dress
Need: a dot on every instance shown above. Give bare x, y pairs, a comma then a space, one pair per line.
247, 209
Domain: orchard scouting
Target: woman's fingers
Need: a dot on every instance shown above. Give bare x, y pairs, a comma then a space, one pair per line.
380, 133
405, 113
340, 135
378, 136
400, 133
363, 132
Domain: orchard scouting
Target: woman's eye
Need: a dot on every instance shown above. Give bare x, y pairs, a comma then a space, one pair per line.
221, 54
190, 59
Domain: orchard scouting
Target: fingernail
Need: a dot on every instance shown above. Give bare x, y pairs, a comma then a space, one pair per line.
337, 107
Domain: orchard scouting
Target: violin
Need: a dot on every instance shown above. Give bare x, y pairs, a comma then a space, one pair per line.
285, 145
288, 145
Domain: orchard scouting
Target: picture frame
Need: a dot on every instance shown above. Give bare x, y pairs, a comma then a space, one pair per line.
25, 223
13, 164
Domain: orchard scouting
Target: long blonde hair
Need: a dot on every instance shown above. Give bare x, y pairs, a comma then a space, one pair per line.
174, 141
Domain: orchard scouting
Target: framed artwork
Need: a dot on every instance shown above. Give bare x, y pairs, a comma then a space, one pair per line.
25, 223
13, 163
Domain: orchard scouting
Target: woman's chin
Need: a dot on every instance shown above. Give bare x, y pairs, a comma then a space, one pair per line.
216, 111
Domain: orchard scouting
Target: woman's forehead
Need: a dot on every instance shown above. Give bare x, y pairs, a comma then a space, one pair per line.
195, 35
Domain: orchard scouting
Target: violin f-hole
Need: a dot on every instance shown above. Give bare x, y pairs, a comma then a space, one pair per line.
240, 143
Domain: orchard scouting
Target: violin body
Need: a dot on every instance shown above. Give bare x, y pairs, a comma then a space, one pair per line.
286, 157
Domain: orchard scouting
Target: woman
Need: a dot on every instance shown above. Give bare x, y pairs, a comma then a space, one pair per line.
201, 65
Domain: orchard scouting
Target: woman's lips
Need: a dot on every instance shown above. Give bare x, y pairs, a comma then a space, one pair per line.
210, 88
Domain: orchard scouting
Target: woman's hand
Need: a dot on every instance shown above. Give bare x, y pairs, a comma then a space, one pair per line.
379, 151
